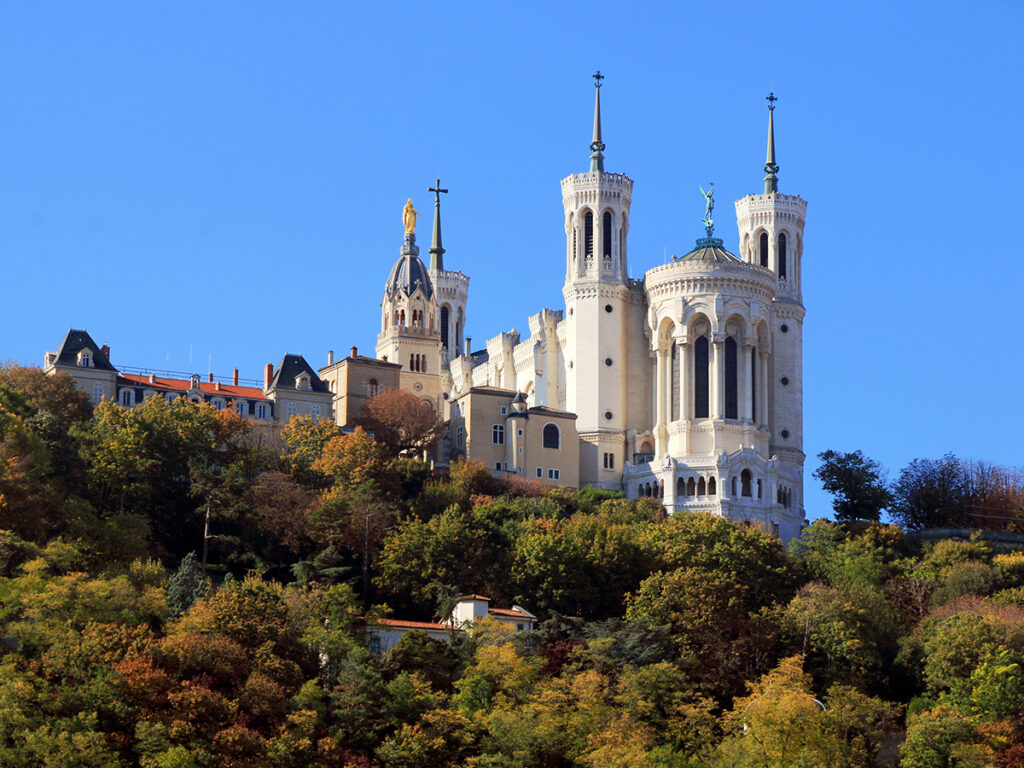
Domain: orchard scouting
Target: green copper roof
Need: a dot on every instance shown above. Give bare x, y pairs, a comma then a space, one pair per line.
710, 249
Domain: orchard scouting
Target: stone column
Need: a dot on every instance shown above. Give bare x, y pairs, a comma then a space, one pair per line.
717, 364
683, 350
748, 380
659, 401
763, 399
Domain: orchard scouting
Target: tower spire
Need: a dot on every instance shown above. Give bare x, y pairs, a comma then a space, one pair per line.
771, 169
436, 251
597, 146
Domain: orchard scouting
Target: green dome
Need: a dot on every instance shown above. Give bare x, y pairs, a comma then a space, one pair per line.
710, 249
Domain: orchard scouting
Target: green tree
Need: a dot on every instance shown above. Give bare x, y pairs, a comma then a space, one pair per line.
857, 484
187, 585
942, 738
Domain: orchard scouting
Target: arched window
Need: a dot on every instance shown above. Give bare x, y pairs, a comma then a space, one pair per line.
588, 234
702, 487
691, 488
423, 363
498, 434
575, 247
552, 436
444, 327
712, 487
459, 433
372, 388
782, 255
401, 317
764, 249
606, 236
700, 378
412, 362
680, 487
731, 380
733, 486
745, 482
759, 489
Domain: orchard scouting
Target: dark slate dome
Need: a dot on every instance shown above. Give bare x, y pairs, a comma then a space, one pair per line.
710, 249
408, 274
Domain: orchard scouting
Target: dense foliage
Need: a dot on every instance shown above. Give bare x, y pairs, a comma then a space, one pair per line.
663, 642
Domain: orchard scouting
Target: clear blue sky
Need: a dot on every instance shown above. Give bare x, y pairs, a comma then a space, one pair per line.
229, 177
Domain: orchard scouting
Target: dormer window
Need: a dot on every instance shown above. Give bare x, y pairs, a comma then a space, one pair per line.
85, 358
302, 382
195, 381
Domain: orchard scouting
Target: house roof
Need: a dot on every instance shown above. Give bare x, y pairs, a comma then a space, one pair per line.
474, 597
408, 274
362, 360
75, 342
518, 614
486, 390
290, 368
543, 409
401, 624
184, 385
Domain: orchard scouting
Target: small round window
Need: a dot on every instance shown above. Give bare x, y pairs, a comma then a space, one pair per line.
784, 328
784, 380
608, 415
607, 361
607, 307
785, 434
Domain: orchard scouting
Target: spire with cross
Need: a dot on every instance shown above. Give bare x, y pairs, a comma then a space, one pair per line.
597, 146
771, 169
436, 251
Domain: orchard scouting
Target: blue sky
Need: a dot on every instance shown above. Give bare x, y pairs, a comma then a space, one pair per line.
228, 178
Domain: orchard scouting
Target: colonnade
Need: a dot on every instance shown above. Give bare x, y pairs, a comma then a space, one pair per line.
676, 383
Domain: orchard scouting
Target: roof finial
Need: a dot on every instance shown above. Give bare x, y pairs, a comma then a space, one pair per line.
771, 169
436, 251
597, 146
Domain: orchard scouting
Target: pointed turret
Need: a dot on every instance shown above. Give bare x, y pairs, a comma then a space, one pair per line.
771, 169
597, 146
436, 250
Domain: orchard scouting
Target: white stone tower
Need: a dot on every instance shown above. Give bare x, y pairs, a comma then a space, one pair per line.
602, 307
451, 290
771, 230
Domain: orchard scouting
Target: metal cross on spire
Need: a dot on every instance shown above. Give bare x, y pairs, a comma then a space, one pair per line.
437, 192
598, 77
597, 146
436, 250
771, 98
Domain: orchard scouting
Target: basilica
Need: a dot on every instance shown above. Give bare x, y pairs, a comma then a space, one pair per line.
684, 384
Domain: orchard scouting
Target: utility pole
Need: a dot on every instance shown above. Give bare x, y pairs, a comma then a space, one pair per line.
206, 538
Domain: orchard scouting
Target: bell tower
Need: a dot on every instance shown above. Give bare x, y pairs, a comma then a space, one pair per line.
771, 230
452, 289
599, 304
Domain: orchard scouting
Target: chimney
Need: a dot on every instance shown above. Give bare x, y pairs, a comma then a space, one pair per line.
152, 378
468, 340
210, 376
234, 377
384, 358
268, 374
354, 351
105, 349
217, 386
330, 357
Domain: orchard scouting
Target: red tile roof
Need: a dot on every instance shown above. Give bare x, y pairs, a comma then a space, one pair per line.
509, 612
398, 623
183, 385
474, 597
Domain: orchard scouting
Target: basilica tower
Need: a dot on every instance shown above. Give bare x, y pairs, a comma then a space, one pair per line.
771, 231
409, 334
604, 315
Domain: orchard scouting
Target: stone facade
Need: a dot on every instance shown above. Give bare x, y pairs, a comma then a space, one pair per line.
686, 383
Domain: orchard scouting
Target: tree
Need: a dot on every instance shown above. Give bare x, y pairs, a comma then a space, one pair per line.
58, 394
305, 439
350, 460
403, 422
941, 738
187, 585
932, 493
857, 484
